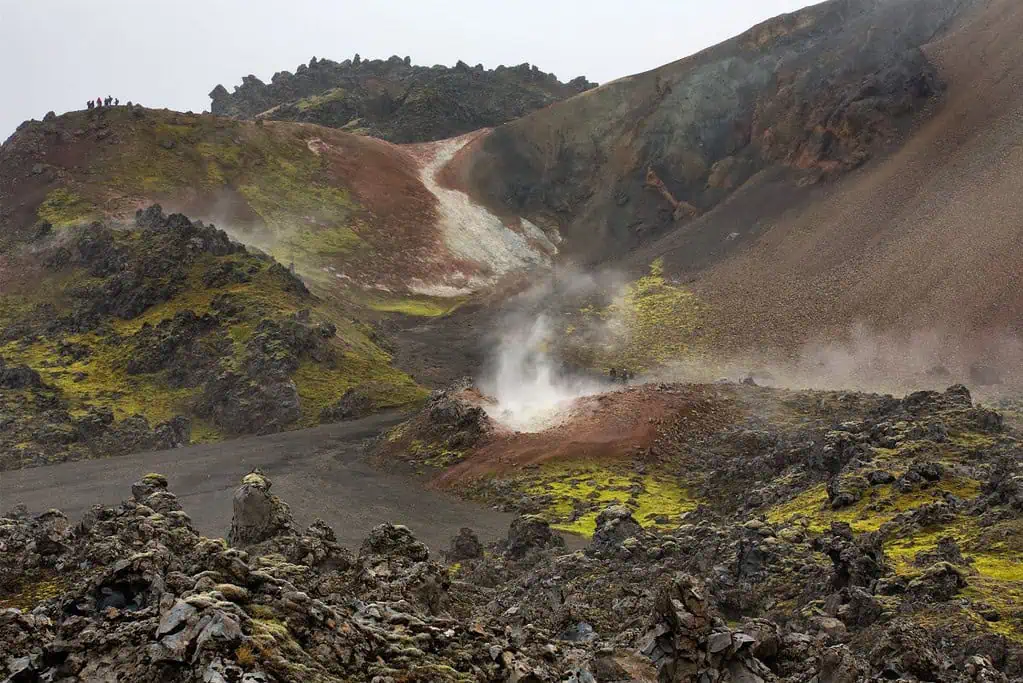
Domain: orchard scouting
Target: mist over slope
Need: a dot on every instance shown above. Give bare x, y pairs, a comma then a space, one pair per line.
350, 211
840, 182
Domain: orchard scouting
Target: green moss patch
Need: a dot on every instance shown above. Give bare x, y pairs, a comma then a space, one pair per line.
652, 322
572, 495
880, 504
29, 594
87, 370
421, 307
62, 208
326, 97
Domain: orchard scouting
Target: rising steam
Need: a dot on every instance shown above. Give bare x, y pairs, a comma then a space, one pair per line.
534, 387
530, 389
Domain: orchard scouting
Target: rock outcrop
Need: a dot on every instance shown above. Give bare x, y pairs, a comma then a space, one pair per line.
99, 374
258, 514
394, 100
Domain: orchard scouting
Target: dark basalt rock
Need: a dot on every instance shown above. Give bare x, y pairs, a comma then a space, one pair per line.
529, 534
244, 404
465, 546
134, 591
393, 100
18, 376
352, 405
258, 514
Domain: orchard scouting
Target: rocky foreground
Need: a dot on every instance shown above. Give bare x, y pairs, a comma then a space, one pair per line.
133, 592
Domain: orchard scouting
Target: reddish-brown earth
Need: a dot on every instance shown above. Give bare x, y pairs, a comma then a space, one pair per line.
618, 426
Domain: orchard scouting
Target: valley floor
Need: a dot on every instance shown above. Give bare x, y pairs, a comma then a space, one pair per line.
321, 472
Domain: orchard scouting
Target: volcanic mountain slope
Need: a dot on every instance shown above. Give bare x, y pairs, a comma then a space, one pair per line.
853, 162
815, 93
394, 100
365, 224
117, 338
348, 211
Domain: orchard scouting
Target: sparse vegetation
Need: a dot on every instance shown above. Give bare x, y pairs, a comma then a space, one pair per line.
651, 322
315, 101
87, 366
63, 208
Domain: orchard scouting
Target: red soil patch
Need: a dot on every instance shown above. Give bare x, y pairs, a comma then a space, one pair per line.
384, 179
400, 214
619, 426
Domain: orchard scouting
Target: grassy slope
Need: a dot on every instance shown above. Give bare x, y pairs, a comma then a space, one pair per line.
270, 188
277, 184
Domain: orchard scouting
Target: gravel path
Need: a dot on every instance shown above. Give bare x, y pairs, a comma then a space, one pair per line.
320, 472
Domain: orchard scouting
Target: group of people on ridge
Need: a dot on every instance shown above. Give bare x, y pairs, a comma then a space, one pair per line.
102, 102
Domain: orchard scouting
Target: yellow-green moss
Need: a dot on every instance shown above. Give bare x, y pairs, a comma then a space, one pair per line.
63, 208
971, 440
439, 673
434, 454
652, 322
569, 484
271, 635
103, 379
879, 504
27, 596
319, 386
995, 575
425, 307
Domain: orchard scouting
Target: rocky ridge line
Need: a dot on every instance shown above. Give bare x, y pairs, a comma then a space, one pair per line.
394, 99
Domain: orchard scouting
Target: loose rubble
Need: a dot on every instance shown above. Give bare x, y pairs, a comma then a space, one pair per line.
850, 537
133, 592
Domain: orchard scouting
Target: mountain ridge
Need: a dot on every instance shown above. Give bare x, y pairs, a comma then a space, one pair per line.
395, 100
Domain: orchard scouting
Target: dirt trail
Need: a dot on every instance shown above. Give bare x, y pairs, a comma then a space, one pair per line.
320, 472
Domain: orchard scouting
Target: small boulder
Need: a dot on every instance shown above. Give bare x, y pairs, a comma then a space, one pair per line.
531, 533
258, 514
147, 486
465, 546
939, 582
614, 525
18, 376
395, 540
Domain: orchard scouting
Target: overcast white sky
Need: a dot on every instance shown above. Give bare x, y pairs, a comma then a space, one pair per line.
56, 54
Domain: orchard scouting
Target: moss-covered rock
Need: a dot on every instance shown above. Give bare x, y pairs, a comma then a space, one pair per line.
165, 332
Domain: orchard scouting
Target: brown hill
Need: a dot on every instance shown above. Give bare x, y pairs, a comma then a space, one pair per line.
852, 165
349, 211
927, 239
